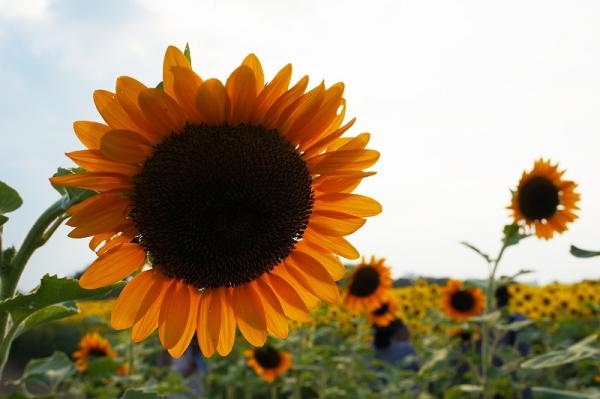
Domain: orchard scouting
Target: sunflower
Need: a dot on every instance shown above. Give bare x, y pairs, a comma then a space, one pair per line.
268, 362
384, 314
544, 200
237, 197
368, 285
461, 303
92, 345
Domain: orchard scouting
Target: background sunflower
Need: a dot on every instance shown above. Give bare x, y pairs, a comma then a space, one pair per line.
461, 303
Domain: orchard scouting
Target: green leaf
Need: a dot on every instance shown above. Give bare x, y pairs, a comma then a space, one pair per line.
187, 52
574, 353
103, 366
458, 391
140, 394
477, 250
512, 234
514, 326
10, 199
551, 393
73, 195
52, 290
160, 86
50, 313
583, 253
48, 372
3, 219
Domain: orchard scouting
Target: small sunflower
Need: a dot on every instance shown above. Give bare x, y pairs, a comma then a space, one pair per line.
268, 362
368, 285
544, 200
461, 303
384, 314
237, 196
92, 345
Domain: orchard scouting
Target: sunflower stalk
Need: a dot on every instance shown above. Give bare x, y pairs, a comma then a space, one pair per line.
10, 273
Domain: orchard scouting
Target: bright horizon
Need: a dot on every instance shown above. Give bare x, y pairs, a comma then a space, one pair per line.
459, 100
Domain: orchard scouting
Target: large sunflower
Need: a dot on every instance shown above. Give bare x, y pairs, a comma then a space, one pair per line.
461, 303
368, 285
92, 345
544, 200
237, 196
268, 362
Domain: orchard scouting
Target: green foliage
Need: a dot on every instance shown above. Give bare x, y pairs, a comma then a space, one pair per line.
477, 251
47, 373
10, 200
187, 52
512, 235
550, 393
140, 394
583, 253
574, 353
72, 195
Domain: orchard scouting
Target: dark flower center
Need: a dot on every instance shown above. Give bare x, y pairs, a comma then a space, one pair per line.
219, 205
365, 281
380, 311
538, 198
267, 357
462, 301
96, 352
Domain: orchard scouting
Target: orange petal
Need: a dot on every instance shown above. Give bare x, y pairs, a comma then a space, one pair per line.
95, 161
353, 143
325, 140
95, 181
337, 245
136, 298
213, 102
186, 86
149, 322
330, 163
252, 62
161, 111
114, 266
352, 204
277, 323
313, 275
112, 112
173, 57
90, 133
250, 314
333, 265
301, 112
209, 322
272, 91
128, 91
283, 102
241, 89
339, 184
310, 300
174, 313
125, 146
190, 328
292, 304
228, 324
102, 215
334, 223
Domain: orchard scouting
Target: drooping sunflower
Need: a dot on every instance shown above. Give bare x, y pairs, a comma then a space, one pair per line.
368, 285
93, 345
237, 196
544, 200
385, 313
461, 303
268, 362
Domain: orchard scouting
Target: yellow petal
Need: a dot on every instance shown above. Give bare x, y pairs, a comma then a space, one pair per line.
213, 102
125, 146
250, 314
277, 323
114, 266
173, 316
90, 133
241, 89
173, 57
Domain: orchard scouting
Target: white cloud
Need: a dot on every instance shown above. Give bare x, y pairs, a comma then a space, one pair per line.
30, 10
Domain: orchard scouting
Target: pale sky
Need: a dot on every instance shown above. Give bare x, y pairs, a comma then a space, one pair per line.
460, 98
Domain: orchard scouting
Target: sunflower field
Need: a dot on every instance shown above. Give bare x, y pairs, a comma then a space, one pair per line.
218, 213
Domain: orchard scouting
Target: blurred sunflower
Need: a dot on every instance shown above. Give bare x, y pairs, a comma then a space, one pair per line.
544, 200
461, 303
269, 362
238, 196
368, 285
384, 314
92, 345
